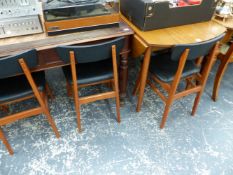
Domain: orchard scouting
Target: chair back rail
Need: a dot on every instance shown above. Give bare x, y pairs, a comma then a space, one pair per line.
9, 66
196, 50
91, 52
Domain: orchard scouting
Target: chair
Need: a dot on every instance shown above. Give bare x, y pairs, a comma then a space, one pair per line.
19, 84
91, 65
225, 59
168, 68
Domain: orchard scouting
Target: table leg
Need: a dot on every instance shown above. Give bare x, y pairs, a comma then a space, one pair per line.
225, 60
221, 70
228, 36
123, 70
144, 73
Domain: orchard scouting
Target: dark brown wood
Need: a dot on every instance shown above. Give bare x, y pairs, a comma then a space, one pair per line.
123, 68
42, 109
88, 99
225, 60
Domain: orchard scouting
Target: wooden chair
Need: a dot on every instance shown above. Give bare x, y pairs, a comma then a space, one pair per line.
168, 68
92, 65
225, 59
18, 84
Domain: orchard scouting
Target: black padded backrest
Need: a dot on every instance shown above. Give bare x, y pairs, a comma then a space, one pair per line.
9, 66
196, 50
92, 52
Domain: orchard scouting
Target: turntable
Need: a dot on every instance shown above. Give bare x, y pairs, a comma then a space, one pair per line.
63, 16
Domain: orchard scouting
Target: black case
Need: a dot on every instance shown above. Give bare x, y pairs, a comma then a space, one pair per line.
149, 15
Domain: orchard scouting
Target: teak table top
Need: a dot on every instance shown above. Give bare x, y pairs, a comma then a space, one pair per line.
184, 34
11, 46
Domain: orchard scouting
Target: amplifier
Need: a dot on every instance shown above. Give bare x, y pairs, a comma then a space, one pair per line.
17, 8
20, 26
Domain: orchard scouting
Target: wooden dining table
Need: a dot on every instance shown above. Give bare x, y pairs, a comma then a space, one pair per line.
145, 42
48, 58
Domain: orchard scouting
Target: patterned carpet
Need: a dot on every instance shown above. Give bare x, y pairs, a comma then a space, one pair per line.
200, 145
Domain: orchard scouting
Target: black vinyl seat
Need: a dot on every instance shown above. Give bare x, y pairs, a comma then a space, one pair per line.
165, 69
100, 70
18, 87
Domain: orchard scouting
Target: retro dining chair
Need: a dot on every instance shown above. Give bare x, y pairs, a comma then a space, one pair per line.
170, 67
90, 65
17, 84
225, 59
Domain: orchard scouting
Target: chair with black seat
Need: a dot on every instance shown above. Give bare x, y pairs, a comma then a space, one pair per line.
92, 64
19, 84
180, 62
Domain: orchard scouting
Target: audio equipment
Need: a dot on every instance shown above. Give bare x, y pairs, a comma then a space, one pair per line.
19, 17
17, 8
63, 16
20, 26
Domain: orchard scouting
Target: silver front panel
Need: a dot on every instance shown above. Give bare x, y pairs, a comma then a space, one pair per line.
20, 26
17, 8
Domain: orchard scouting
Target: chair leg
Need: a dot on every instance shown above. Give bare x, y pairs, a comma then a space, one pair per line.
48, 115
5, 142
166, 112
221, 70
118, 108
196, 102
77, 108
173, 89
69, 89
49, 91
79, 119
205, 73
117, 102
115, 83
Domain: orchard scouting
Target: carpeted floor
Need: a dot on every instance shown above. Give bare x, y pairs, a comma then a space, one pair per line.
200, 145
